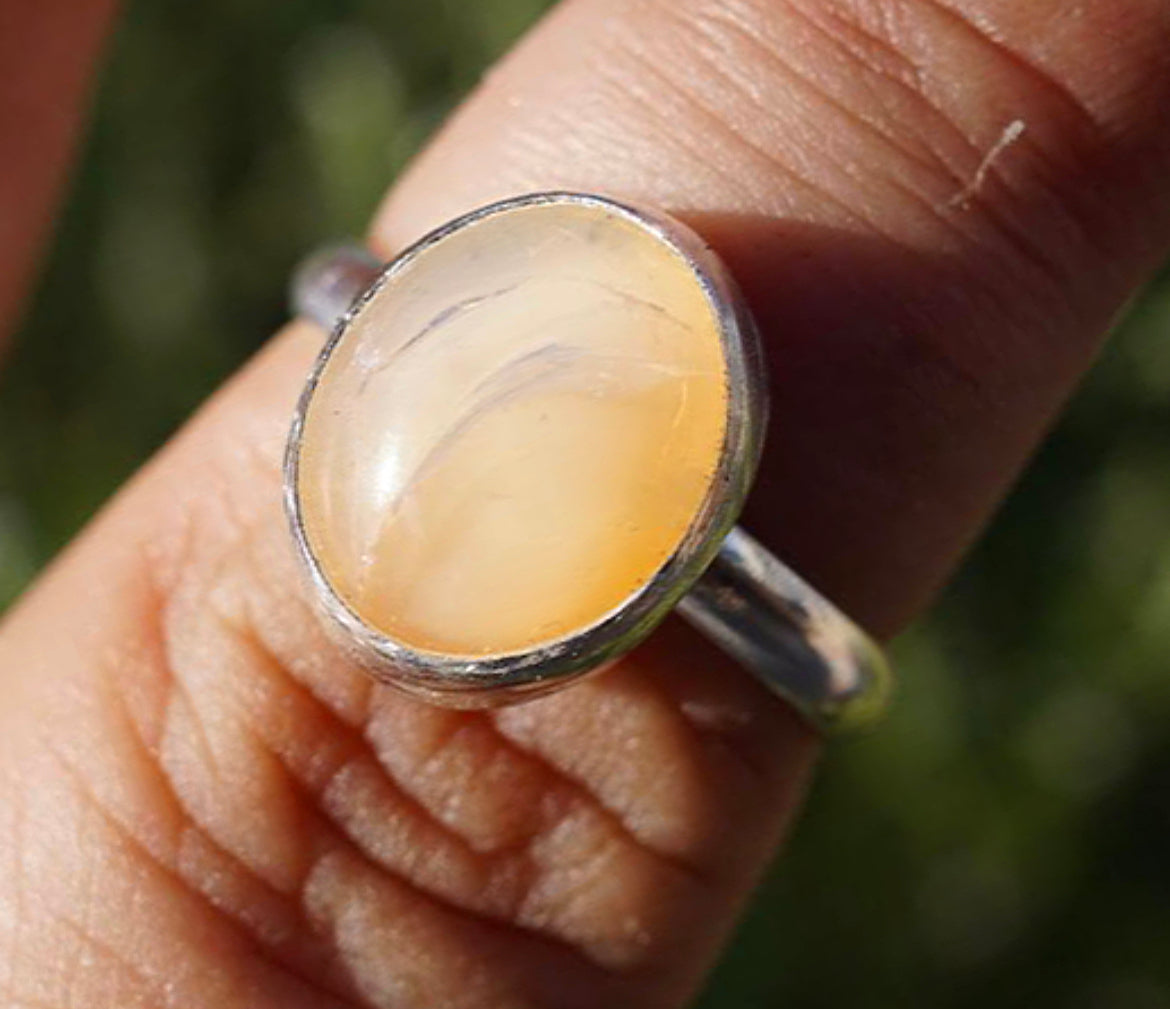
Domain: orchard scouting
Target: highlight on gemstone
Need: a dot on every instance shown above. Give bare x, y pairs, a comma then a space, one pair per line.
516, 432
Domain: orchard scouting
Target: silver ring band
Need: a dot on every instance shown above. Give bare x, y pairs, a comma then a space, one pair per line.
796, 642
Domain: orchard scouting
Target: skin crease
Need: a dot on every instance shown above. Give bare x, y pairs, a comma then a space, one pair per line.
202, 803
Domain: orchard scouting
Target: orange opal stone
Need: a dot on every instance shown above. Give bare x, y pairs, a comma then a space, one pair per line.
515, 432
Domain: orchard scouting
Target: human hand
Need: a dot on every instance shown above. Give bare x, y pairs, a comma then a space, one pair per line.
206, 803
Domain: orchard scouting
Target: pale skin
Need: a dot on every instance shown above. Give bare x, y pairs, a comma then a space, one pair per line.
202, 803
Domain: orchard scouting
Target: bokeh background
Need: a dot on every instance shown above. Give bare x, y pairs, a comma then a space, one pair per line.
1003, 841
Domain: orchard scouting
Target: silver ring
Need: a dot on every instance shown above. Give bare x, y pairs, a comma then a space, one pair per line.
797, 643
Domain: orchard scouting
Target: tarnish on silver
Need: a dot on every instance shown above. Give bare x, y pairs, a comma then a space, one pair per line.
744, 599
795, 641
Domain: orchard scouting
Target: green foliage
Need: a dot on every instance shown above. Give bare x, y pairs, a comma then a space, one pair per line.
1005, 840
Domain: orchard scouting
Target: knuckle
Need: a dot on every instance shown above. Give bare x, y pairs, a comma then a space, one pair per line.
276, 759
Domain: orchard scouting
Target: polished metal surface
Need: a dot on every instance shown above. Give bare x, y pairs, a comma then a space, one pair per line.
794, 640
326, 284
744, 599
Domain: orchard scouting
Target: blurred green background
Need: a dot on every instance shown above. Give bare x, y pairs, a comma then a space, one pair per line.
1005, 840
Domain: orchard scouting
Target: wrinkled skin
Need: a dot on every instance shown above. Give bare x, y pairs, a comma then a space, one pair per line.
935, 208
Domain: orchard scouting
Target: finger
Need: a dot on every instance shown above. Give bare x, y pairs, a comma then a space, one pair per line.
292, 837
48, 51
936, 210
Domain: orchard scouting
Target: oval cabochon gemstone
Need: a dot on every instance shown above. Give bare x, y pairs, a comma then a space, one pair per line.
515, 433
